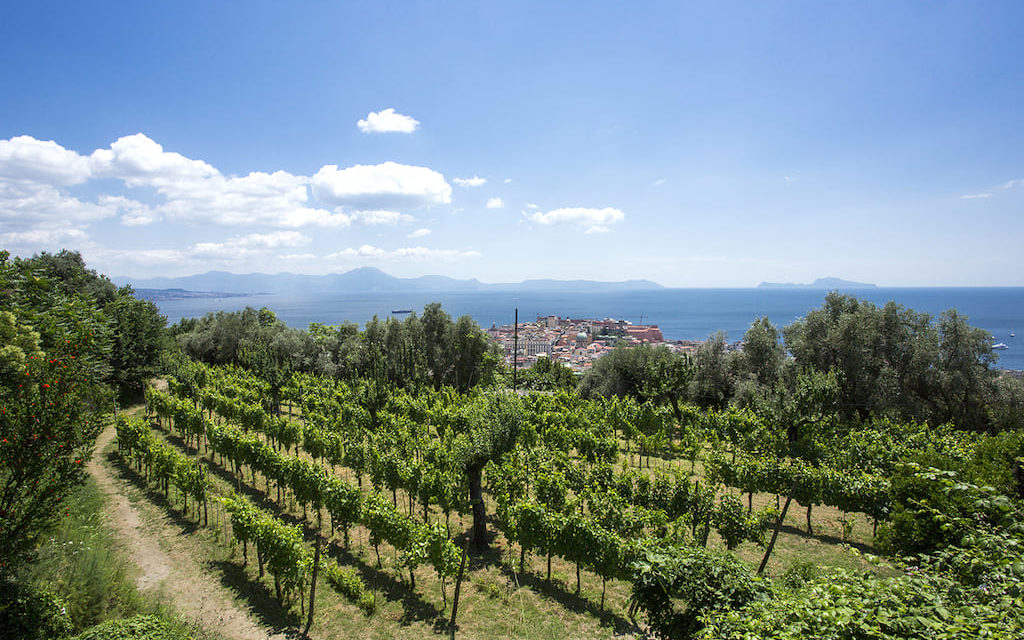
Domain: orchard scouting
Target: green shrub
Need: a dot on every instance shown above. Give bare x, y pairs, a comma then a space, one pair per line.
137, 628
30, 613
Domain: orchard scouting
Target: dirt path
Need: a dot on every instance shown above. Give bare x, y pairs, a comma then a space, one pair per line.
167, 568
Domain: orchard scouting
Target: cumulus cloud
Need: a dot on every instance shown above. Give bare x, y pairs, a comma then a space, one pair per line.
133, 212
495, 203
589, 220
35, 173
381, 186
23, 158
248, 245
387, 121
142, 162
508, 180
530, 205
419, 233
380, 217
475, 181
43, 237
367, 251
28, 204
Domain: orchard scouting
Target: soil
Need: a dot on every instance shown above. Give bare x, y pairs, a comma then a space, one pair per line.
165, 566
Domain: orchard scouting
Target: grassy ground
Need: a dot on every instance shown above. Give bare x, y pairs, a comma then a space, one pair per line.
83, 564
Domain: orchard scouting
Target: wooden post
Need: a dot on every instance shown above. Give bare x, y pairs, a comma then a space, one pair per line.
312, 587
458, 587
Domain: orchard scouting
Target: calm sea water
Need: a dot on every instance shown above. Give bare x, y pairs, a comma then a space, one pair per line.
682, 314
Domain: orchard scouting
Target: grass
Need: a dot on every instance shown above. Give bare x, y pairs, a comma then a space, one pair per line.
82, 562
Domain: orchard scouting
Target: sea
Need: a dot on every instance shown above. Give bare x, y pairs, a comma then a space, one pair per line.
682, 314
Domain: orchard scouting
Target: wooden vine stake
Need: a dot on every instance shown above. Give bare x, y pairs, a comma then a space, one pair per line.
458, 586
312, 587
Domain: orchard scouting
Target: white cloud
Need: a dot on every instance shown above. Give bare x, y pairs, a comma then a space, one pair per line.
589, 220
530, 205
495, 203
1013, 183
419, 233
23, 158
475, 181
370, 252
976, 196
508, 180
248, 245
380, 217
133, 212
140, 161
382, 186
365, 251
422, 253
33, 172
43, 237
661, 181
30, 204
298, 257
387, 121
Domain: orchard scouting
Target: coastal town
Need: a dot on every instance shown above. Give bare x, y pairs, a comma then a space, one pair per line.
577, 342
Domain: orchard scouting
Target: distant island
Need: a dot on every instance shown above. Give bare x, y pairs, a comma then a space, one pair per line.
160, 295
362, 280
820, 283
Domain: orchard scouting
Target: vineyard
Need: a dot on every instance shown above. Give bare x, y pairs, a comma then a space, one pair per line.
631, 518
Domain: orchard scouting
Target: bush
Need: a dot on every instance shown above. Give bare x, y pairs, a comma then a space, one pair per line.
28, 613
676, 588
137, 628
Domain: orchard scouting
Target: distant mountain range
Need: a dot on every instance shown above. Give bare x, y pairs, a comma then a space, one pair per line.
820, 283
364, 280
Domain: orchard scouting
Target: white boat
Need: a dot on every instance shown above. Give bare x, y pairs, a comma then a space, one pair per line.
1000, 345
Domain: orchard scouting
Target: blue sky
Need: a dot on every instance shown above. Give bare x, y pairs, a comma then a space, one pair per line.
713, 144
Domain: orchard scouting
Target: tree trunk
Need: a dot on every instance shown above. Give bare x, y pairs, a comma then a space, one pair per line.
775, 534
476, 499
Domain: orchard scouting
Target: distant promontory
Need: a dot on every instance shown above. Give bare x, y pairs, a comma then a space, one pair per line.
820, 283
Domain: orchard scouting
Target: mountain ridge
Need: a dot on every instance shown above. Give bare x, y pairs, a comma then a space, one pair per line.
829, 282
364, 280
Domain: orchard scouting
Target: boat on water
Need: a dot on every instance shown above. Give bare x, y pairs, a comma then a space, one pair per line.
1000, 345
399, 311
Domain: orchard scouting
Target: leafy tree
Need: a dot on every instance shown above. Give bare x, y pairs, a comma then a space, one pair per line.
494, 425
713, 377
139, 338
437, 339
762, 354
50, 414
